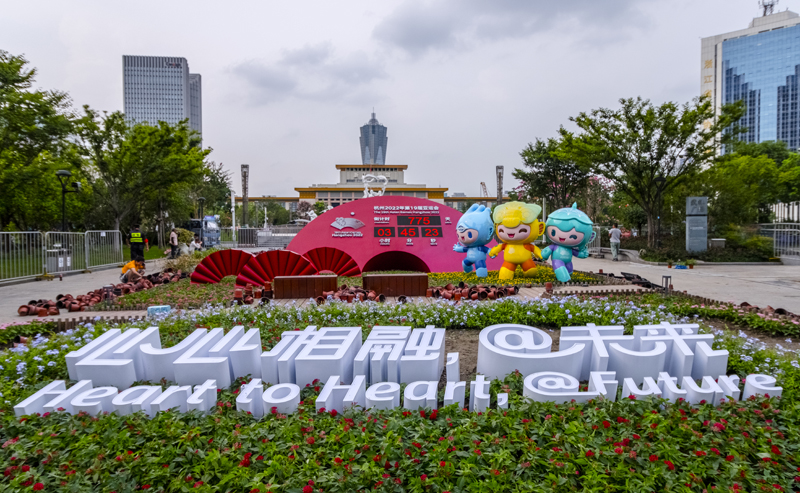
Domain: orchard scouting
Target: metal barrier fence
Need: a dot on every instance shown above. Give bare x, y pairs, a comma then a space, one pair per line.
21, 255
103, 248
31, 254
785, 238
594, 246
275, 237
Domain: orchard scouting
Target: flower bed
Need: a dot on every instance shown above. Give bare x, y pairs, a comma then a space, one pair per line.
628, 445
183, 294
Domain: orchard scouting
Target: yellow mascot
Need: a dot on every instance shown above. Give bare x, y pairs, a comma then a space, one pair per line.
516, 226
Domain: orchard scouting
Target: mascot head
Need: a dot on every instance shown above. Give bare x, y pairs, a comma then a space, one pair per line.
516, 223
569, 227
475, 226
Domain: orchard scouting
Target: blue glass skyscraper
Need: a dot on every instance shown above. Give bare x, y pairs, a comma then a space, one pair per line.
759, 65
373, 142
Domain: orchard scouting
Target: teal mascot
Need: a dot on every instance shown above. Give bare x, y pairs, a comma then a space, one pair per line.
570, 232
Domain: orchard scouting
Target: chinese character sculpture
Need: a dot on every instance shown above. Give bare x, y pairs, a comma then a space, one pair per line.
570, 232
475, 229
517, 226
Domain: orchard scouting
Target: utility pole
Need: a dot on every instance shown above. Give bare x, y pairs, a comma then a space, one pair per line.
499, 172
245, 177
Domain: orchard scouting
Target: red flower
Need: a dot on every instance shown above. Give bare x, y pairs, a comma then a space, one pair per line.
146, 487
334, 413
653, 458
776, 450
606, 424
670, 465
654, 425
310, 440
618, 450
477, 451
442, 463
632, 397
308, 489
26, 468
729, 458
38, 487
589, 453
423, 477
198, 484
700, 453
337, 460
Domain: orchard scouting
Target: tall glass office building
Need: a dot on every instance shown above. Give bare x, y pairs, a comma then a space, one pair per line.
373, 142
160, 88
760, 65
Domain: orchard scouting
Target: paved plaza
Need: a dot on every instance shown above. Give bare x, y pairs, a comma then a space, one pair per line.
762, 285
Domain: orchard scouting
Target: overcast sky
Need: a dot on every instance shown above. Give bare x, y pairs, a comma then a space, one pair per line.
462, 85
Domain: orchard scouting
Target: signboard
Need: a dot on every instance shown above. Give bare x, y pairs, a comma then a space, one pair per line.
389, 233
667, 362
696, 224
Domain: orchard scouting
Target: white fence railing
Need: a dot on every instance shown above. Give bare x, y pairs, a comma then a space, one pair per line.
32, 254
785, 238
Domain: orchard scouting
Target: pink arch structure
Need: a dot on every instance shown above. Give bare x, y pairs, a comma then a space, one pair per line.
360, 229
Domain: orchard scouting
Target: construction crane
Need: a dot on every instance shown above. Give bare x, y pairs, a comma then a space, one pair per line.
484, 191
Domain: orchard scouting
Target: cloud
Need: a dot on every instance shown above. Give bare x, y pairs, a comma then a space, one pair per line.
418, 27
311, 73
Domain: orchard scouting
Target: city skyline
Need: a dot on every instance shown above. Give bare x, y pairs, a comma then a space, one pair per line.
464, 88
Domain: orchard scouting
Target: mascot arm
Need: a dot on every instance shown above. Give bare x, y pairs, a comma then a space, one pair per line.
545, 253
497, 249
458, 247
583, 253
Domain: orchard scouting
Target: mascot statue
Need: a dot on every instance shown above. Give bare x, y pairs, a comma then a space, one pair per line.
475, 229
570, 232
517, 226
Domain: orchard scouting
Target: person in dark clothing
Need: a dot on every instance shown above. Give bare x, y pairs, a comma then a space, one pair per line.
138, 244
173, 243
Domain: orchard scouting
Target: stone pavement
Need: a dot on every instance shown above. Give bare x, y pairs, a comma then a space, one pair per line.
770, 284
11, 297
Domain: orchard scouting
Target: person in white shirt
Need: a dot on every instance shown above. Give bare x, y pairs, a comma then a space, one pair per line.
614, 233
196, 244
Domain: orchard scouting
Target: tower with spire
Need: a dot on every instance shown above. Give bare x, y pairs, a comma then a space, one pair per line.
373, 142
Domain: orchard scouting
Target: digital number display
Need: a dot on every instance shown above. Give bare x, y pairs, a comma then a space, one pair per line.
419, 220
407, 232
432, 232
384, 232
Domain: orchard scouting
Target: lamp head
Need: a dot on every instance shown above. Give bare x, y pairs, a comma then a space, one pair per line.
64, 173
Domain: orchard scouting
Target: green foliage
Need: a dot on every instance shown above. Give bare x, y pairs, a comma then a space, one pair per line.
35, 126
320, 207
547, 175
184, 235
639, 143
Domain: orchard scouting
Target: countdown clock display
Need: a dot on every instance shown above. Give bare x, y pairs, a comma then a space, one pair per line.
389, 233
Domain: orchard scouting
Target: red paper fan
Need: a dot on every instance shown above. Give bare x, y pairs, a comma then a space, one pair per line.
266, 265
220, 264
334, 260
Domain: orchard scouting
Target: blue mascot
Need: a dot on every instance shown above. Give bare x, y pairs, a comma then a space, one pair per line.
475, 229
570, 232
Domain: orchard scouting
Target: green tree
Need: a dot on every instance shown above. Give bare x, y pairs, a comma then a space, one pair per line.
647, 150
547, 174
35, 126
320, 207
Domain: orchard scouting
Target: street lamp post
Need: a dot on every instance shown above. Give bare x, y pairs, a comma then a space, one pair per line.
62, 175
202, 201
660, 180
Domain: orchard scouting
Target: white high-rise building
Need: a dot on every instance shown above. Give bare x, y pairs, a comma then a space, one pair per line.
160, 88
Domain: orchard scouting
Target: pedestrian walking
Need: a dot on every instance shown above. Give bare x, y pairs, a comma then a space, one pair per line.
615, 234
138, 243
173, 243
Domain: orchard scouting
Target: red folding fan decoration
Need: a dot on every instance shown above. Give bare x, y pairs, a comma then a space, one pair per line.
266, 265
220, 264
334, 260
